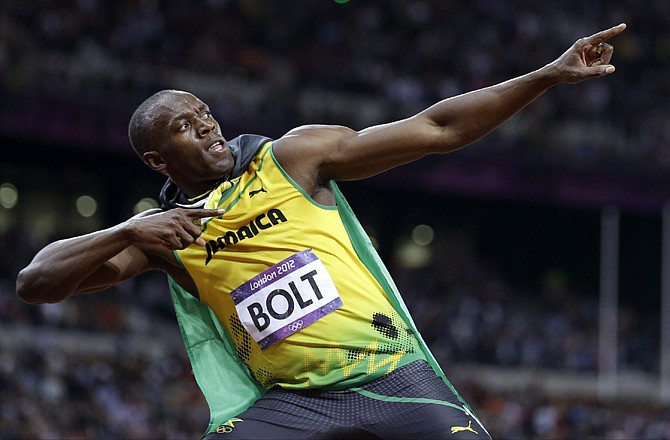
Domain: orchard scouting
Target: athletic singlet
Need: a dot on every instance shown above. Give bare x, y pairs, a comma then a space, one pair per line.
281, 274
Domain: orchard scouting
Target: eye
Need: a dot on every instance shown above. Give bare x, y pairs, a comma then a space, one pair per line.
207, 115
184, 126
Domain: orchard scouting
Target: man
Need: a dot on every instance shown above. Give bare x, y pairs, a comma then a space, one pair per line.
293, 326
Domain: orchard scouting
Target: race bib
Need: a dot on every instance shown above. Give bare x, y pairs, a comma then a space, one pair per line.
285, 298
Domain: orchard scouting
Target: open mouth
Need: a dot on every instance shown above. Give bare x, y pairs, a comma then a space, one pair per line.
216, 147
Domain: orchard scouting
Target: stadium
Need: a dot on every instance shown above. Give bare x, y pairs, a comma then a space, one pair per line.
535, 262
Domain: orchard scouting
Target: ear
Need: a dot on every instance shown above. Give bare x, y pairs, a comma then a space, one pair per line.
154, 160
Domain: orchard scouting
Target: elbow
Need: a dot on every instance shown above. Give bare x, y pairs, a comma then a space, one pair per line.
23, 289
29, 290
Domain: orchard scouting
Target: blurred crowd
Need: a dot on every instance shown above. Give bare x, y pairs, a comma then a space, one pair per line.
113, 365
269, 65
483, 319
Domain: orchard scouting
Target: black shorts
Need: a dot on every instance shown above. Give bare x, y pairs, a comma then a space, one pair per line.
410, 403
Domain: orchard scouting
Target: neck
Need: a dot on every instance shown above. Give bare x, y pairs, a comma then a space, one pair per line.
196, 191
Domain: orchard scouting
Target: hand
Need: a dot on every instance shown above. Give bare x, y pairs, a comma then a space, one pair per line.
174, 229
588, 57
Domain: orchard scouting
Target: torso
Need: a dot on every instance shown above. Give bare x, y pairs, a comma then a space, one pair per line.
355, 335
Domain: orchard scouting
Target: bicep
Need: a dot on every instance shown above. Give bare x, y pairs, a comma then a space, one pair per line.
380, 148
334, 152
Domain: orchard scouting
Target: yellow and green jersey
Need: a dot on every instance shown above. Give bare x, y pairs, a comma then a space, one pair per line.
291, 293
281, 274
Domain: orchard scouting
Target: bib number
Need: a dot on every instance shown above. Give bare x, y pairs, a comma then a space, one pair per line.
286, 298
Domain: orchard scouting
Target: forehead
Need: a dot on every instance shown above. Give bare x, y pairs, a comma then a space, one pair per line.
178, 104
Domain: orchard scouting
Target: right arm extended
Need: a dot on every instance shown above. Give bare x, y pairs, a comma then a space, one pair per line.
101, 259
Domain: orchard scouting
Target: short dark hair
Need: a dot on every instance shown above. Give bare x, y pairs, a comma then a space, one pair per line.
141, 125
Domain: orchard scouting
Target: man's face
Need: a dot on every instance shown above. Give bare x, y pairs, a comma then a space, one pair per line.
196, 156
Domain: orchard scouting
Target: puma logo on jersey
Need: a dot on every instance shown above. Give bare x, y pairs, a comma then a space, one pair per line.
455, 429
253, 193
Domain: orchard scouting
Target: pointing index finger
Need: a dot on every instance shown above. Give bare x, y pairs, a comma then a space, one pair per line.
601, 36
201, 213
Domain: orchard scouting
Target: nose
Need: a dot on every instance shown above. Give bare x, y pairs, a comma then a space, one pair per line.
205, 127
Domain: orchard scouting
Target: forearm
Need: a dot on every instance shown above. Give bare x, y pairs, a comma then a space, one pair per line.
58, 270
101, 259
465, 118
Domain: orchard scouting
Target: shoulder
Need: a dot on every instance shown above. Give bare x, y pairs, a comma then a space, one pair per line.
303, 151
306, 133
310, 144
